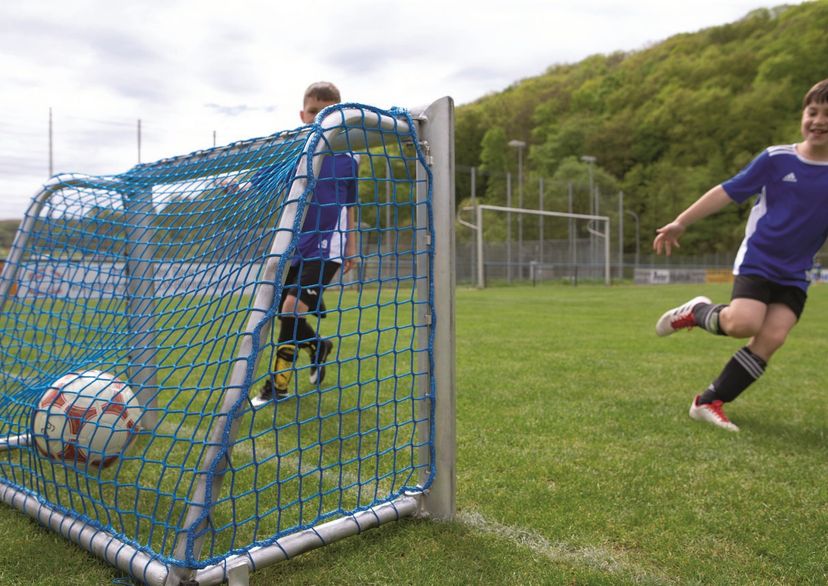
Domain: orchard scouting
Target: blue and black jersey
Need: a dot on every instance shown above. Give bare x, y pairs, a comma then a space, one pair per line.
324, 231
789, 220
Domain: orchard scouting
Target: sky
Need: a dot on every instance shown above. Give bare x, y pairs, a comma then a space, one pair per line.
194, 73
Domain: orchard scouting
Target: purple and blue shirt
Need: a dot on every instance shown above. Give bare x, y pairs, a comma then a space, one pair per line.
789, 220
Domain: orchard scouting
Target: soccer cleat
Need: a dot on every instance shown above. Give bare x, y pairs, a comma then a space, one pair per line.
711, 413
679, 318
267, 393
319, 354
279, 380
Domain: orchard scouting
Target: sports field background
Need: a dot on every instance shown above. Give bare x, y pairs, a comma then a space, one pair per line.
577, 462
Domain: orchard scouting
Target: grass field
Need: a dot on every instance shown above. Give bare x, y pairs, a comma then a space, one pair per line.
577, 463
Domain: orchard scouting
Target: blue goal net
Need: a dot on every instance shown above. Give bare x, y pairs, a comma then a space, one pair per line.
170, 279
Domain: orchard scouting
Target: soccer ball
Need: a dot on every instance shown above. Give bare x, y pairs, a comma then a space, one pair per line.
85, 417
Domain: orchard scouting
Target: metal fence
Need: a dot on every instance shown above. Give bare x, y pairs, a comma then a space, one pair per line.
579, 261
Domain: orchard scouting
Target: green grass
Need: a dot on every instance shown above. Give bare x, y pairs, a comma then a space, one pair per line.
577, 463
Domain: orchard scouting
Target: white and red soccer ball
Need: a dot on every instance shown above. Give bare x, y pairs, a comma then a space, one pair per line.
87, 417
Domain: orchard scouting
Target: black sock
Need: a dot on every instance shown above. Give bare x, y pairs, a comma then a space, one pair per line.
287, 329
707, 317
297, 330
305, 334
738, 374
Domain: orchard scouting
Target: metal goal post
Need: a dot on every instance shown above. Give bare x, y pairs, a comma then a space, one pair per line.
603, 233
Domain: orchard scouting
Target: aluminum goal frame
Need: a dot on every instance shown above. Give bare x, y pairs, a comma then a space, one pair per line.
435, 131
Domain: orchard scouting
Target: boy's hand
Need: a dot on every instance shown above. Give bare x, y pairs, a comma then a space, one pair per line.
228, 185
348, 264
667, 237
234, 187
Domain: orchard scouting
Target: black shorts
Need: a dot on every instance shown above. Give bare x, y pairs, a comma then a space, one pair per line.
307, 281
761, 289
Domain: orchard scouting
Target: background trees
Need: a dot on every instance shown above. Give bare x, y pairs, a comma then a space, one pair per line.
665, 123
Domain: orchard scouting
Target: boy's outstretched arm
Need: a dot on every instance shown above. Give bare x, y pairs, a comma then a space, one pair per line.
668, 235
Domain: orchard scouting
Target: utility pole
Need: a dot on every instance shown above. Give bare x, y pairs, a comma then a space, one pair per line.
51, 159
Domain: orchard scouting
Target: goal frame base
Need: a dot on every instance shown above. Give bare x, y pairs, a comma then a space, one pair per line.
235, 569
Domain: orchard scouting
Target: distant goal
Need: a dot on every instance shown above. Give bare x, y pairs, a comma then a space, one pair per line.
574, 246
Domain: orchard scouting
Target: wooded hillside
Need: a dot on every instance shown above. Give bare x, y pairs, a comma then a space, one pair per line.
665, 123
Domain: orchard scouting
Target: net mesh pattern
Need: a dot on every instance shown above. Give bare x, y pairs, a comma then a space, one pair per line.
159, 277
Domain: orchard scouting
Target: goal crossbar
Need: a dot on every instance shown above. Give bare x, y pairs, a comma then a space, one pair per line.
478, 228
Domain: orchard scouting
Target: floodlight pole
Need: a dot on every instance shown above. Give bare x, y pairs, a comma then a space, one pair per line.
481, 277
473, 179
637, 238
593, 202
509, 228
519, 145
620, 235
540, 220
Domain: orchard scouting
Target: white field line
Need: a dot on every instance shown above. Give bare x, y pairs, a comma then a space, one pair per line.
598, 558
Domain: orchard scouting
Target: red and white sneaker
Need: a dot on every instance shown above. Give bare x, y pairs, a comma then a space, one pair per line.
711, 413
679, 318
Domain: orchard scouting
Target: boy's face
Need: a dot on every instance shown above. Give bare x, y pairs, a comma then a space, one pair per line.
312, 107
815, 125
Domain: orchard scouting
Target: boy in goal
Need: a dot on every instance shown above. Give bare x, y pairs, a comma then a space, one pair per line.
326, 242
786, 227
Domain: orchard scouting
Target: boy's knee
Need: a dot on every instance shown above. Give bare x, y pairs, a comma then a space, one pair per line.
289, 305
769, 341
740, 324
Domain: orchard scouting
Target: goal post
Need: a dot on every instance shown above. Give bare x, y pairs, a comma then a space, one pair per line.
169, 276
438, 137
479, 233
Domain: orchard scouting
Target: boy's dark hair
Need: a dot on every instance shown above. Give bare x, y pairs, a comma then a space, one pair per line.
324, 91
817, 94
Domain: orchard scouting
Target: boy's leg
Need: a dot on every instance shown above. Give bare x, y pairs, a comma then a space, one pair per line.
319, 348
303, 294
779, 321
304, 285
278, 381
681, 317
277, 384
285, 355
744, 368
319, 353
743, 318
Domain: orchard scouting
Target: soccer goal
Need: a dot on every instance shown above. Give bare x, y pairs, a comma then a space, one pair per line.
169, 278
568, 253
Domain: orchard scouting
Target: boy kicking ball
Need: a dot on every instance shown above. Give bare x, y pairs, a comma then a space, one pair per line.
786, 227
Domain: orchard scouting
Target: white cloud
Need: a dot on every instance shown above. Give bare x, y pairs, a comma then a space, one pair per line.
187, 68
